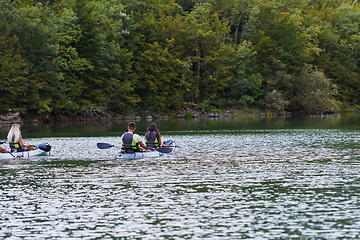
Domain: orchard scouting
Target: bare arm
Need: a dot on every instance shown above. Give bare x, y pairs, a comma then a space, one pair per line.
21, 143
160, 143
25, 144
143, 146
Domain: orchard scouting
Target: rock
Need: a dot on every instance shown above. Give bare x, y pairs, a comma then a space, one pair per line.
213, 114
10, 118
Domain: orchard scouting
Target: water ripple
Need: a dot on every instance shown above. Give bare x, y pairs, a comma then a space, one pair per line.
265, 184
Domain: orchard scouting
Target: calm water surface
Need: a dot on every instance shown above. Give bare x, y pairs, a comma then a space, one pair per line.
283, 178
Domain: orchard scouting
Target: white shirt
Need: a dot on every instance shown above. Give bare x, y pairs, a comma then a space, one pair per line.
136, 137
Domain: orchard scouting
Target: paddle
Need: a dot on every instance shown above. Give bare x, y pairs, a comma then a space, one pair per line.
168, 148
106, 145
165, 149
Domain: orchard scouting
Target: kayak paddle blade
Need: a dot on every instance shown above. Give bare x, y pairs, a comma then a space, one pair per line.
165, 149
168, 143
45, 147
104, 145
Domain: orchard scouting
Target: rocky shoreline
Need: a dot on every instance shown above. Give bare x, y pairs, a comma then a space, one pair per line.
186, 113
96, 116
10, 118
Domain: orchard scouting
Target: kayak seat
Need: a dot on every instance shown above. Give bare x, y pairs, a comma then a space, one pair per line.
128, 150
21, 149
152, 148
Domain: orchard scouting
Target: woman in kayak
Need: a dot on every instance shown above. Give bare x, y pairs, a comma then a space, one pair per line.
15, 140
152, 137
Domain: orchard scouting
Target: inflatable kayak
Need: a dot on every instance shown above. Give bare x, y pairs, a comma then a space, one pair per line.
41, 149
138, 155
167, 149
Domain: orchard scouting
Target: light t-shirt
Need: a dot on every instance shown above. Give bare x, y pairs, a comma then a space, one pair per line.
136, 137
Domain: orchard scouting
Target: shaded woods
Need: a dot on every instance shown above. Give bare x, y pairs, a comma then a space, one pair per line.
67, 57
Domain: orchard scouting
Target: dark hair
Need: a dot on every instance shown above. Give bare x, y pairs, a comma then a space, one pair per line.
131, 125
153, 128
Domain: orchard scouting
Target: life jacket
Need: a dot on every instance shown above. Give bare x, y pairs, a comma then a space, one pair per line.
151, 140
14, 145
128, 143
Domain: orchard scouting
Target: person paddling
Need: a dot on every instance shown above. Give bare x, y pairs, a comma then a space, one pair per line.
131, 142
15, 140
152, 137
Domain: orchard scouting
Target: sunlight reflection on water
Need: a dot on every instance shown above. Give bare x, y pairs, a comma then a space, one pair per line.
255, 184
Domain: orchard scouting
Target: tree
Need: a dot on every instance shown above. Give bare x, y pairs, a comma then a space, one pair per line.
205, 32
30, 25
278, 33
13, 69
157, 61
245, 89
315, 93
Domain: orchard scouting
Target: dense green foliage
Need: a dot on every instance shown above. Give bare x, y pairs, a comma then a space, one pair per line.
66, 57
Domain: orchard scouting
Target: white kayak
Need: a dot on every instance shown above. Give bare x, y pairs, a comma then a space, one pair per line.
170, 147
138, 155
167, 149
41, 149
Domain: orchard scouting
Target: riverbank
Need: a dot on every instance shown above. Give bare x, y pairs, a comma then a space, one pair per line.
99, 116
94, 115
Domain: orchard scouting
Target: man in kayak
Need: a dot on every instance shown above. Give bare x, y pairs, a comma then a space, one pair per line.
131, 140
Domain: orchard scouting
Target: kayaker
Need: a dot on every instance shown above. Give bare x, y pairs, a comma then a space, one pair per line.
152, 137
3, 150
15, 140
131, 142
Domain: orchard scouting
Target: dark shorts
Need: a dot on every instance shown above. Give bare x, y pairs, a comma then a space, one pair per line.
131, 150
21, 149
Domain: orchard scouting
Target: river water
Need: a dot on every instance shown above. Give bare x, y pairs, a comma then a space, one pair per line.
256, 178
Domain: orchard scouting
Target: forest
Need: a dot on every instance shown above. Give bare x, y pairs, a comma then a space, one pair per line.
134, 57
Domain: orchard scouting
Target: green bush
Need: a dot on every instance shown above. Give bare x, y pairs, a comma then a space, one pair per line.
213, 110
315, 92
172, 112
189, 115
275, 101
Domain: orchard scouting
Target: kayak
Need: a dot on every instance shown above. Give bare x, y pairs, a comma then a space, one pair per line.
169, 148
138, 155
41, 149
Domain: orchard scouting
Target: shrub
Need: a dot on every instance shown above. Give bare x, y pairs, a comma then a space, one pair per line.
213, 110
189, 115
274, 100
315, 92
172, 112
